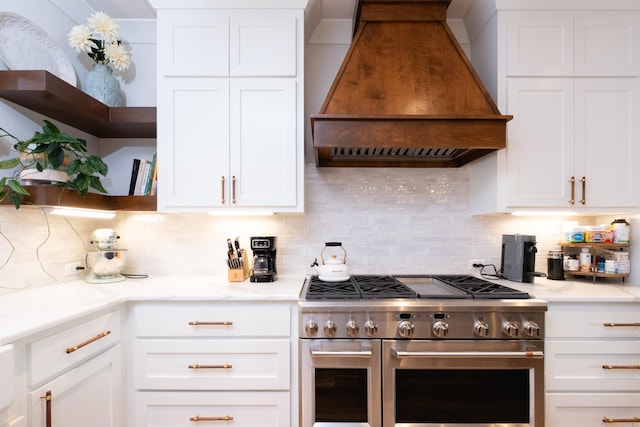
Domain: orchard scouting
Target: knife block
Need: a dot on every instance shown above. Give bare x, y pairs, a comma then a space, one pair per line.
240, 274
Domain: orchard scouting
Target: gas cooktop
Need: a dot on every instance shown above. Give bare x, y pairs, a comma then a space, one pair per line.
365, 287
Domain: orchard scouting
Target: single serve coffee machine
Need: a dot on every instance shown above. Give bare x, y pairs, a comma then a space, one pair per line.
519, 258
264, 259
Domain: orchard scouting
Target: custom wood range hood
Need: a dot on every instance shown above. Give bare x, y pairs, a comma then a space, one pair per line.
406, 94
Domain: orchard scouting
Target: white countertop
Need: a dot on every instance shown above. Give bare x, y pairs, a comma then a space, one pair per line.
28, 312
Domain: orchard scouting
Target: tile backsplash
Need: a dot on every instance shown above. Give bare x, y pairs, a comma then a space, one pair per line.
408, 221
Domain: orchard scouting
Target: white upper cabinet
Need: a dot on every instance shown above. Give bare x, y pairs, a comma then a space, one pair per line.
571, 80
230, 106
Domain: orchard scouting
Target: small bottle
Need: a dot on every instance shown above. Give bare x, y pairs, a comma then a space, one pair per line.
600, 264
621, 231
585, 260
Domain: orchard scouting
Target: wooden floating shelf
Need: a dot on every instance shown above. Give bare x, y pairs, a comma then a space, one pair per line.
44, 93
593, 245
46, 195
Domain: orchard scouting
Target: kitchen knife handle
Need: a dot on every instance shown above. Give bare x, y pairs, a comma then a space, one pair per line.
222, 182
573, 190
233, 190
584, 187
199, 418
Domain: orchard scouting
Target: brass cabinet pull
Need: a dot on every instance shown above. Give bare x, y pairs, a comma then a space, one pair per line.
199, 418
222, 182
233, 190
573, 190
225, 366
222, 323
584, 187
613, 324
87, 342
620, 366
47, 407
620, 420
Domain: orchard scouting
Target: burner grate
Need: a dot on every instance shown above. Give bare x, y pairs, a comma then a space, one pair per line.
359, 287
480, 288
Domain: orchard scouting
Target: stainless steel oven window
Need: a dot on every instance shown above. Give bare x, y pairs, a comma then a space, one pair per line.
340, 383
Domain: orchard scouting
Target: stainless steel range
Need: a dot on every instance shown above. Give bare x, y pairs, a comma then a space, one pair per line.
445, 350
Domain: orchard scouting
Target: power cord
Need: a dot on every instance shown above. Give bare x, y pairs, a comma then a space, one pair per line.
494, 275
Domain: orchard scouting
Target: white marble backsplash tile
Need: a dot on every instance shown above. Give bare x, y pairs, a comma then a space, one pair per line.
389, 221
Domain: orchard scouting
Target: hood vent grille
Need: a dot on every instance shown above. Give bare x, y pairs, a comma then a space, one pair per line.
406, 94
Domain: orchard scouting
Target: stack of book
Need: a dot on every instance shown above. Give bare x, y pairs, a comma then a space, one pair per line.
144, 177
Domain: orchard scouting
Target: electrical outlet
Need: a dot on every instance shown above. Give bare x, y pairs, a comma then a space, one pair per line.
72, 268
470, 266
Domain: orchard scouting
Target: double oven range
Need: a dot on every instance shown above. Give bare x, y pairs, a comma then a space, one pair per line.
444, 350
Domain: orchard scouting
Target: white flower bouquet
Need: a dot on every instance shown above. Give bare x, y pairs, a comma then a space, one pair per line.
101, 40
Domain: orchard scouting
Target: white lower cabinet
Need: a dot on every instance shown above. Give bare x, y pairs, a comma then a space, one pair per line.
212, 363
592, 354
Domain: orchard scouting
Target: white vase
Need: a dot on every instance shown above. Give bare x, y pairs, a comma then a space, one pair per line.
101, 85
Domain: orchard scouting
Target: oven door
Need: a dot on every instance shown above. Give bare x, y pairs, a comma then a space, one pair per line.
340, 383
463, 383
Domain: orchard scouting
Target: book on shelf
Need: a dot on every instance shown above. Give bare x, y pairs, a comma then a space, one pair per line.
143, 175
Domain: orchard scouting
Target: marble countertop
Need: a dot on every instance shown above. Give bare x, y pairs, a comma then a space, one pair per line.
27, 312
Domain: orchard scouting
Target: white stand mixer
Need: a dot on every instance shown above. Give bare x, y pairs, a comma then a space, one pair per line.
107, 261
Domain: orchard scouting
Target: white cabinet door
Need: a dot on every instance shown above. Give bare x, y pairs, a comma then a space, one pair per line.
540, 149
193, 143
193, 43
589, 410
607, 130
88, 395
263, 42
263, 142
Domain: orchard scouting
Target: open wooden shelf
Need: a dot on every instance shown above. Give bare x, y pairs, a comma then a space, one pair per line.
47, 195
44, 93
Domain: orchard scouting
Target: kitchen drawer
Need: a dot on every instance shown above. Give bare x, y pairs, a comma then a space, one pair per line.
578, 365
55, 353
212, 364
212, 320
248, 409
588, 321
589, 409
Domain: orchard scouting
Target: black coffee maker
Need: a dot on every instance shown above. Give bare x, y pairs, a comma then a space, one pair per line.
264, 259
519, 258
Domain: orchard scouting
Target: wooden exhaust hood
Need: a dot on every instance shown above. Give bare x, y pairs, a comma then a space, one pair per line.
406, 94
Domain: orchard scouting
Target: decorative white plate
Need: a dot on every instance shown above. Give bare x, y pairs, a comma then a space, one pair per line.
25, 46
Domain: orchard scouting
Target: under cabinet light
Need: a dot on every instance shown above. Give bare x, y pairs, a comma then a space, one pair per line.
225, 212
543, 213
86, 213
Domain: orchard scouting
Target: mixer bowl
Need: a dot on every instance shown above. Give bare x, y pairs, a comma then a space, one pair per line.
106, 265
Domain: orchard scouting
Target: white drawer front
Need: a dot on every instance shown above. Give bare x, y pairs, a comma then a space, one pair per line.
589, 409
212, 364
586, 321
212, 320
53, 354
264, 409
578, 365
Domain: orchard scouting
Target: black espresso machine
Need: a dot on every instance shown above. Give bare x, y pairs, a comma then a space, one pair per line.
519, 258
264, 259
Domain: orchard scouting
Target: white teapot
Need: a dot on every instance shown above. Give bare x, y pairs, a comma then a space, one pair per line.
333, 269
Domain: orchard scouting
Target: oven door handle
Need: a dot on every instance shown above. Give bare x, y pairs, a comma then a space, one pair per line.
469, 354
368, 354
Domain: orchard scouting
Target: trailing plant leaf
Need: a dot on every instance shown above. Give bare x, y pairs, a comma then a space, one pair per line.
9, 164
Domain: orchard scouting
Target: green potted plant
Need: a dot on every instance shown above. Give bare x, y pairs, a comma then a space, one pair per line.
51, 149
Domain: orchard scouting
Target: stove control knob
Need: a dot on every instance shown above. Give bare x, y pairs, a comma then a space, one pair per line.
370, 328
311, 328
406, 329
510, 329
440, 328
330, 328
352, 328
480, 328
531, 328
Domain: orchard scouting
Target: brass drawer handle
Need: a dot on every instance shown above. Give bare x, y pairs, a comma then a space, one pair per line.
87, 342
222, 199
573, 190
621, 420
620, 366
225, 366
223, 323
233, 190
199, 418
613, 324
47, 409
